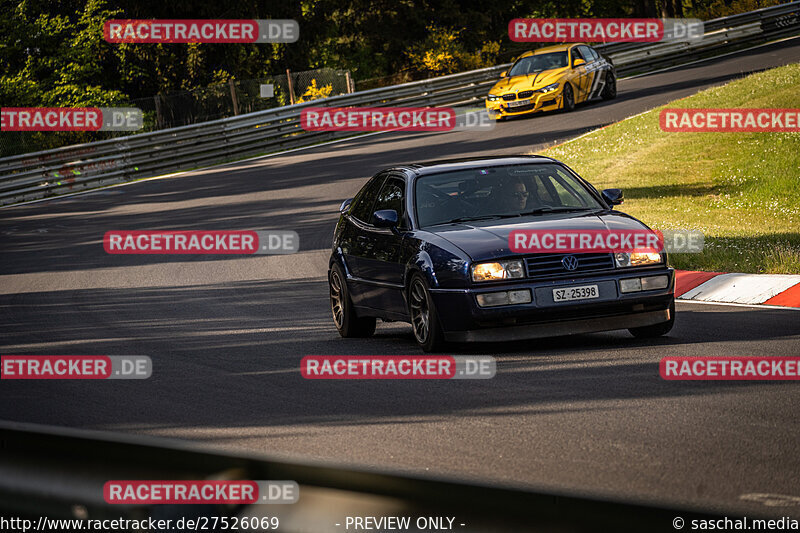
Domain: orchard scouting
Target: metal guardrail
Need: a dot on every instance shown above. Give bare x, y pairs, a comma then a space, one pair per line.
59, 473
63, 170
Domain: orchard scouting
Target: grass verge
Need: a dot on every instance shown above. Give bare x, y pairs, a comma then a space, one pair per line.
741, 189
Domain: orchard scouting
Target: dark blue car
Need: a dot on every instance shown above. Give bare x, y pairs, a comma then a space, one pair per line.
429, 244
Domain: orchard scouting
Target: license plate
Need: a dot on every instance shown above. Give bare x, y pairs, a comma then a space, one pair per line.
519, 103
584, 292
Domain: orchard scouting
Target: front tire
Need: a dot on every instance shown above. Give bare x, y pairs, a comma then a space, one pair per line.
424, 319
656, 330
344, 315
567, 98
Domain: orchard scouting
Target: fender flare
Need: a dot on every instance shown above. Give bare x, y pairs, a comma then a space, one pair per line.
423, 264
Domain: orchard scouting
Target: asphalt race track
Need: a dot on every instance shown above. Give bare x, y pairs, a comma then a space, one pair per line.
586, 414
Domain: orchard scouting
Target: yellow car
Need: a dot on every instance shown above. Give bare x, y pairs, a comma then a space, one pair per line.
550, 78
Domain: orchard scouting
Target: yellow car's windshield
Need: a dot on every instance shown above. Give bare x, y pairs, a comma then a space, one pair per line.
538, 63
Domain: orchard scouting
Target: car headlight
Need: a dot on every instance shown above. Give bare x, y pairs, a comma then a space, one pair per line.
497, 270
493, 97
551, 87
634, 259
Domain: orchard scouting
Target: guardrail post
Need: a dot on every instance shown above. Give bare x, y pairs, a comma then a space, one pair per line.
291, 86
234, 99
159, 116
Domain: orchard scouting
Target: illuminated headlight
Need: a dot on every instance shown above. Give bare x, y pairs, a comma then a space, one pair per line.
497, 270
493, 97
551, 87
633, 259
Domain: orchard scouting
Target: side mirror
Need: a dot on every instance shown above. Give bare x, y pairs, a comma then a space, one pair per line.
345, 206
385, 218
578, 62
612, 196
504, 74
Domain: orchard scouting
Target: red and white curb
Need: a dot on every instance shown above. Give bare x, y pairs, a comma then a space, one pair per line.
761, 289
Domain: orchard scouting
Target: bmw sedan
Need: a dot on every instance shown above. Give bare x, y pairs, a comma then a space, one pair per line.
429, 244
550, 78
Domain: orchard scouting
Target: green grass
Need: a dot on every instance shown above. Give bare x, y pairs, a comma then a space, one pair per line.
741, 189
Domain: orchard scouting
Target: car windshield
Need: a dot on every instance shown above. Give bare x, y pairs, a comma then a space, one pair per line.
538, 63
499, 192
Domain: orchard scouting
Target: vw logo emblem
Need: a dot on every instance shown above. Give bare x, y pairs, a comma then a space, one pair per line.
570, 262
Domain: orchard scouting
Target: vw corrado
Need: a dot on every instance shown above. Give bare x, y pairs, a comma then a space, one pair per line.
429, 244
550, 78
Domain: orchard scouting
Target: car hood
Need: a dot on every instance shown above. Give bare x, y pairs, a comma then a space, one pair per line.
530, 81
489, 239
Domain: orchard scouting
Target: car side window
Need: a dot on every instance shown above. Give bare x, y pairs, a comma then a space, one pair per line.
364, 200
586, 53
542, 196
392, 196
568, 195
576, 54
593, 53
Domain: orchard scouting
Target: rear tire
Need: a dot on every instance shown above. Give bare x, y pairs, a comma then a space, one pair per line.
610, 90
656, 330
424, 319
347, 322
567, 98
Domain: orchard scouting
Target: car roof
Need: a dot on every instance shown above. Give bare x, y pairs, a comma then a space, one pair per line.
444, 165
549, 49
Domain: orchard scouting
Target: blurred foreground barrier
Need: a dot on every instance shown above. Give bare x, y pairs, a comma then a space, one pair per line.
59, 473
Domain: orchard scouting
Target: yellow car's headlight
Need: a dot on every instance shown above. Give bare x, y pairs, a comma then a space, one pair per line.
497, 270
633, 259
551, 87
493, 97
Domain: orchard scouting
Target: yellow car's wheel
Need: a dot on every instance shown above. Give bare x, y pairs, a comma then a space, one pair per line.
567, 98
610, 90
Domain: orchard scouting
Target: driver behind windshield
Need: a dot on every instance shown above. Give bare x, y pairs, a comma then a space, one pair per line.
512, 196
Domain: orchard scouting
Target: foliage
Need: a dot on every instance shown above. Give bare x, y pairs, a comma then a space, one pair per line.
443, 52
315, 93
54, 54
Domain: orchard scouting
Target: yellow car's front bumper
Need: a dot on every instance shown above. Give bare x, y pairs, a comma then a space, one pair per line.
549, 101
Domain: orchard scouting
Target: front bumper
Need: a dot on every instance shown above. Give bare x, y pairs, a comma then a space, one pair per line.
550, 101
464, 320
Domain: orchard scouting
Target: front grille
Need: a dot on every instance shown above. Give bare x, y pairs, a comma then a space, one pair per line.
510, 96
525, 94
549, 265
520, 108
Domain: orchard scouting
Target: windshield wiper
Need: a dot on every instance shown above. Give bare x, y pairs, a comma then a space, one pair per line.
482, 217
542, 210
